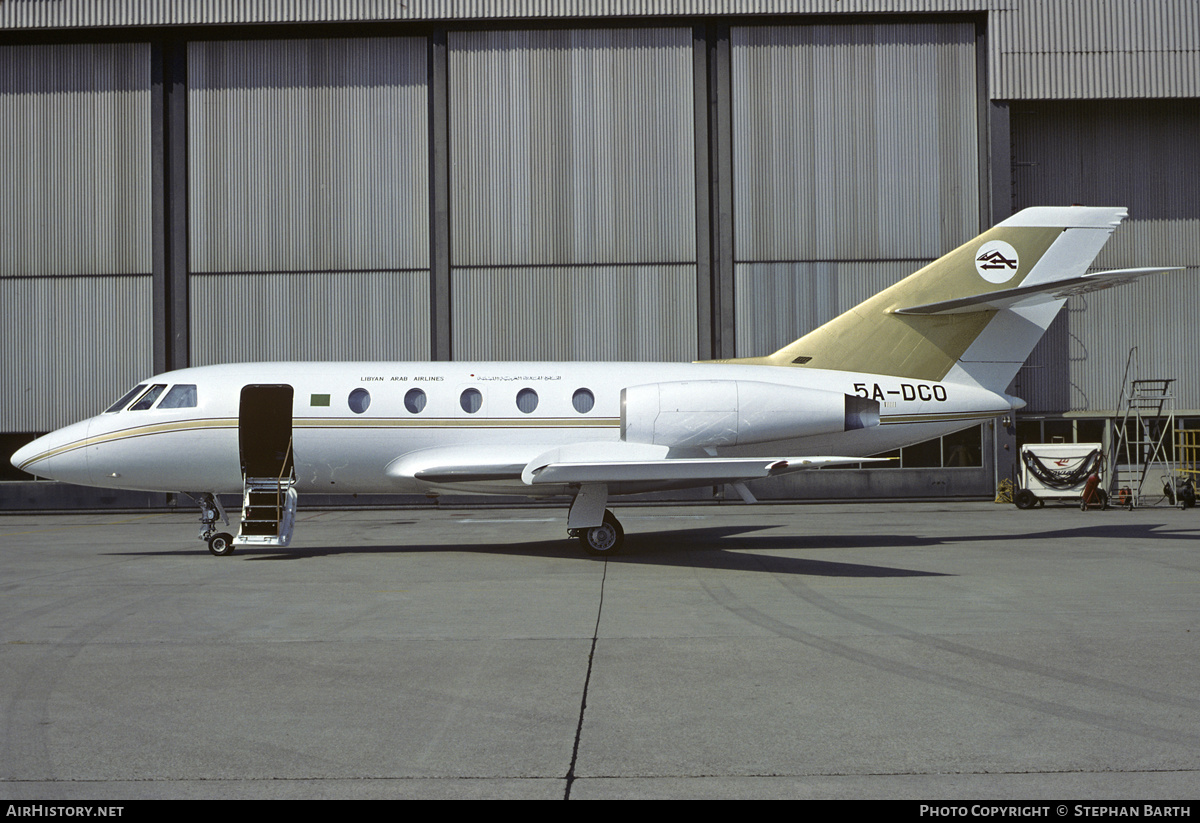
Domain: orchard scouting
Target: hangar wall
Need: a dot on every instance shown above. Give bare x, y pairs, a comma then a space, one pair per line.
573, 194
829, 123
589, 172
1135, 153
308, 218
75, 228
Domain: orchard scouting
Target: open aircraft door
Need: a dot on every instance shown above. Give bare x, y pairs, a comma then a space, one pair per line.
265, 431
268, 476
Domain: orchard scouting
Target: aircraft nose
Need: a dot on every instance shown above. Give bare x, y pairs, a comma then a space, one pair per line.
26, 453
57, 455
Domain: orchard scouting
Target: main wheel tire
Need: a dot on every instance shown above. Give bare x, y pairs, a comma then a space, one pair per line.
604, 540
1025, 499
221, 544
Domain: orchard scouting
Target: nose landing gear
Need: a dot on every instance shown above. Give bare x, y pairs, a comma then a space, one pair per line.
219, 543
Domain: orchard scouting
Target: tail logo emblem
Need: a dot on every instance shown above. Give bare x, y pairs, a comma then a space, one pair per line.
997, 261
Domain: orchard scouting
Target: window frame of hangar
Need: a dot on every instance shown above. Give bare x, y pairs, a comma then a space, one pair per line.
1080, 429
1102, 429
899, 454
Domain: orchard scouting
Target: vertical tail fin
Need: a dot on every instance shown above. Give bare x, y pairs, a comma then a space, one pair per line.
976, 342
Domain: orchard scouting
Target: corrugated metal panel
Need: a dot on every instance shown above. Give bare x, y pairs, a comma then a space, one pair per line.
564, 313
780, 302
75, 194
854, 141
1047, 49
308, 155
322, 316
1158, 315
572, 147
1099, 25
1153, 243
1104, 75
1044, 381
83, 13
51, 379
1138, 154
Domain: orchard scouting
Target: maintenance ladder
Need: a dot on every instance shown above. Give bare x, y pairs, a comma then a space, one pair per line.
1144, 440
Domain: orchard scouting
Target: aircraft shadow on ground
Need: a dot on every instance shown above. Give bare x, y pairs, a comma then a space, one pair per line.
698, 547
730, 547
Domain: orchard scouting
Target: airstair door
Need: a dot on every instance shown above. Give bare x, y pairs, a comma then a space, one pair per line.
265, 431
265, 443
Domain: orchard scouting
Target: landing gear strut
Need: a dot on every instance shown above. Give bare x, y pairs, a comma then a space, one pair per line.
219, 543
598, 530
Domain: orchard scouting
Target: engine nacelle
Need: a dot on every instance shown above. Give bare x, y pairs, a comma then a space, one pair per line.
710, 413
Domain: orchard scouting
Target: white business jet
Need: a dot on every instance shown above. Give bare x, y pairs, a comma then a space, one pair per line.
926, 357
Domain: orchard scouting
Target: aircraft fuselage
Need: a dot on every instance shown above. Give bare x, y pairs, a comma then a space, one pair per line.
350, 421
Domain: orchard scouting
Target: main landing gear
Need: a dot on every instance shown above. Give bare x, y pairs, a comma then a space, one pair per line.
597, 528
219, 543
604, 540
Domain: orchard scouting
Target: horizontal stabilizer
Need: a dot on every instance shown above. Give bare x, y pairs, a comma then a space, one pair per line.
1033, 295
701, 470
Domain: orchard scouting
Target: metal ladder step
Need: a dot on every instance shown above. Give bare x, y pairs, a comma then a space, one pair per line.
1143, 440
268, 511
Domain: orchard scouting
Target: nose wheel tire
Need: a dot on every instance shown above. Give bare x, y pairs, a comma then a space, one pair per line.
604, 540
221, 544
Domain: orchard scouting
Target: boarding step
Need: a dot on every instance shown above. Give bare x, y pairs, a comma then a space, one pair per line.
268, 512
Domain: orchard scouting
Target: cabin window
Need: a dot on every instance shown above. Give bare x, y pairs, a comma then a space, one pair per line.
147, 399
583, 400
414, 401
125, 398
181, 396
527, 400
359, 400
470, 400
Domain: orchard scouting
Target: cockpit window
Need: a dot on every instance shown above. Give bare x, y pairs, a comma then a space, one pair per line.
147, 399
129, 395
181, 396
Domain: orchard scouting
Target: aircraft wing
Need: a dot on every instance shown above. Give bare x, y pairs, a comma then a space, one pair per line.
1031, 295
702, 470
610, 463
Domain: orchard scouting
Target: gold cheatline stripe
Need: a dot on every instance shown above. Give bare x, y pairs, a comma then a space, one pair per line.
137, 431
331, 423
456, 422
